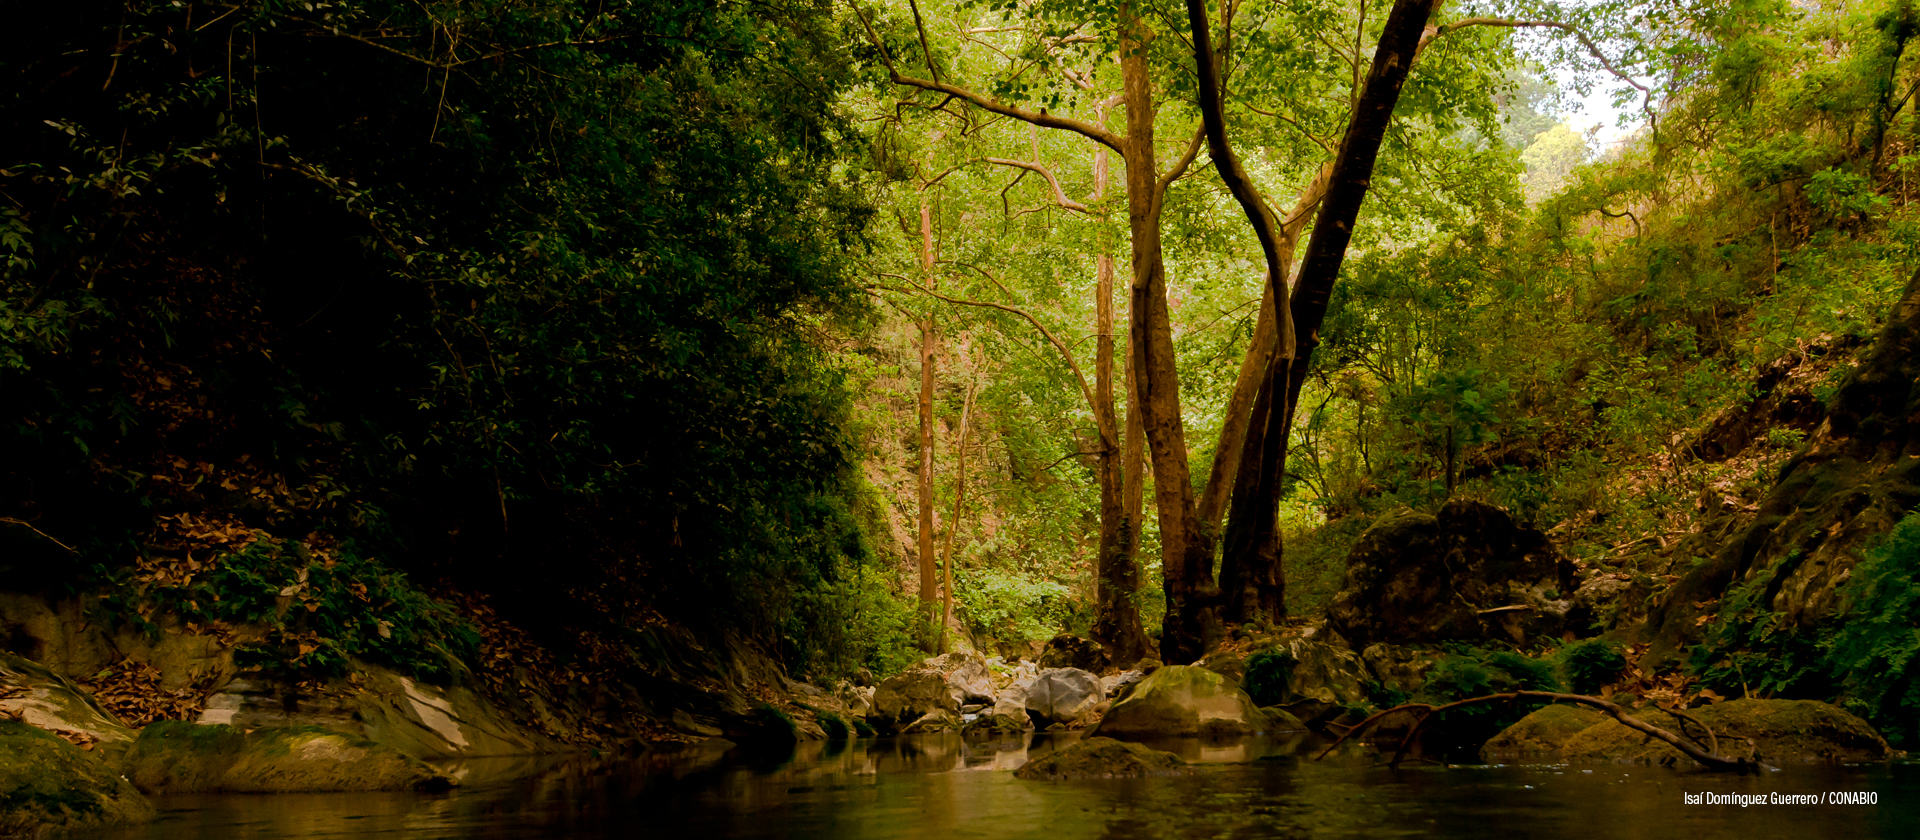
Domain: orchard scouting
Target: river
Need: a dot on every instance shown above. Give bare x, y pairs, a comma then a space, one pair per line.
943, 787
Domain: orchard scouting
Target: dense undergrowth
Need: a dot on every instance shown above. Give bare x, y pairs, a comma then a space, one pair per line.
515, 297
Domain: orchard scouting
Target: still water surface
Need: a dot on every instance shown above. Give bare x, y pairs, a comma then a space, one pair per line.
942, 787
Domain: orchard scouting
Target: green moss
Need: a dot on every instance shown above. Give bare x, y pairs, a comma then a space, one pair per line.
1782, 731
1546, 730
45, 781
1268, 674
177, 757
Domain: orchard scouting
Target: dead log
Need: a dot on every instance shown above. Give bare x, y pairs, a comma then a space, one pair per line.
1708, 754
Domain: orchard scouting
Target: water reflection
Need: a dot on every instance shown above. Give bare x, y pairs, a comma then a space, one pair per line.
947, 787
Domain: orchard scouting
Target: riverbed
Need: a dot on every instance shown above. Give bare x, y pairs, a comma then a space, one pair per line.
944, 787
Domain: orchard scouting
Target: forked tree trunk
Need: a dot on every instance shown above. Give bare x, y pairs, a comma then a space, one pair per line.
1253, 539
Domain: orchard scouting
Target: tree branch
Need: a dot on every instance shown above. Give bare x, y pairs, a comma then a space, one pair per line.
1709, 757
1180, 166
1059, 195
1107, 438
1646, 94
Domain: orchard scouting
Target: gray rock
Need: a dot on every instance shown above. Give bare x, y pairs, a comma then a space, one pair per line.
907, 697
856, 699
1112, 684
1011, 701
1063, 695
973, 681
45, 700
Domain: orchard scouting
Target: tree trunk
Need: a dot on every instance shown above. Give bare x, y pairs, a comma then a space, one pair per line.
1243, 572
1254, 538
1186, 558
929, 346
1116, 621
953, 524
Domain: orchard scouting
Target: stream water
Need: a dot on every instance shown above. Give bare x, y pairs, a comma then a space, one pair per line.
943, 787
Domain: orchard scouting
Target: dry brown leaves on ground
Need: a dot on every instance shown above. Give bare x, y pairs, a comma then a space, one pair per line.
132, 692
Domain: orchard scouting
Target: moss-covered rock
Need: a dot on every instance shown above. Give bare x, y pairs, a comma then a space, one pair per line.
49, 701
46, 782
1782, 731
176, 757
1546, 730
1102, 758
1182, 701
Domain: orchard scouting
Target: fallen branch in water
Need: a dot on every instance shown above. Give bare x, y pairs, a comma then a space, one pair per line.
1708, 754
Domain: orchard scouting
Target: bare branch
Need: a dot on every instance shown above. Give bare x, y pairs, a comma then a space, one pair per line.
1059, 195
1646, 94
1709, 757
29, 526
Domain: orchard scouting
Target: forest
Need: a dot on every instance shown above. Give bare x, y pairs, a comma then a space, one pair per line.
475, 378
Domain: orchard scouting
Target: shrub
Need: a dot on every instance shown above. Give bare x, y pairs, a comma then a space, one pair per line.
1268, 674
1871, 654
1592, 664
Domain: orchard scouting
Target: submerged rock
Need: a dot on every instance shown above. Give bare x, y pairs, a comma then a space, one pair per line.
1469, 572
1063, 695
1102, 758
998, 724
1545, 730
1782, 731
177, 757
1182, 701
47, 783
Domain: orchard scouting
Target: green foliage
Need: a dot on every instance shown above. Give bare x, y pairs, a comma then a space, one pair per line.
1591, 664
857, 621
1872, 645
1013, 603
558, 296
317, 612
1268, 673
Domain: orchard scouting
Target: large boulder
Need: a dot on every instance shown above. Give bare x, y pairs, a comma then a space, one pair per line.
1782, 731
1102, 758
1182, 701
179, 757
1069, 651
973, 681
1011, 700
1546, 730
47, 784
1468, 573
908, 696
1063, 695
